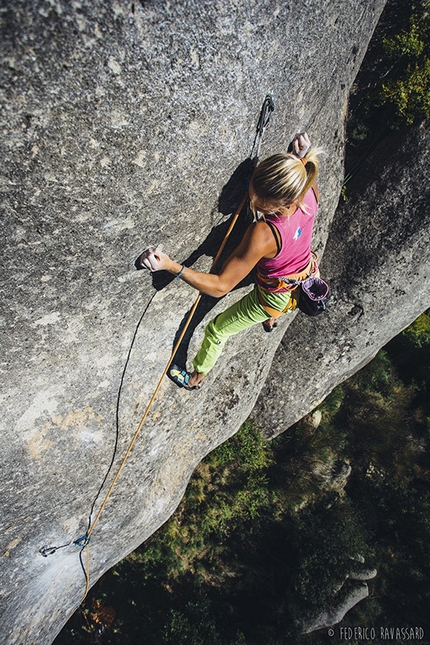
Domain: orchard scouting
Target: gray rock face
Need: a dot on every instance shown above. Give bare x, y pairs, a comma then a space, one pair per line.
122, 123
352, 590
333, 616
377, 263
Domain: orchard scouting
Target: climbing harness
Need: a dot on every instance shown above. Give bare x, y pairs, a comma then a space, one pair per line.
287, 283
84, 541
290, 281
308, 291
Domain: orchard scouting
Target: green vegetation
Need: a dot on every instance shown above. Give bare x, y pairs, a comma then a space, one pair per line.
408, 84
392, 90
267, 531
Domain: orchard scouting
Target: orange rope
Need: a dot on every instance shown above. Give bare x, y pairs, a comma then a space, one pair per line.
142, 421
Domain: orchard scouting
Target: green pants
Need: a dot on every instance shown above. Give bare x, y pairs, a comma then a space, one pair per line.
243, 314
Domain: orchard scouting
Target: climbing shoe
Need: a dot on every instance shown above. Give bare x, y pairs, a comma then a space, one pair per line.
181, 378
269, 328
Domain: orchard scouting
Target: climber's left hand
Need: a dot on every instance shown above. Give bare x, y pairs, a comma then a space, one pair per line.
301, 144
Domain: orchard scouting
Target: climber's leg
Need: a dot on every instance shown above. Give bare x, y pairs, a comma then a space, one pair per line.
243, 314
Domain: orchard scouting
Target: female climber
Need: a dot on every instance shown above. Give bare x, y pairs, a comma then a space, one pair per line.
284, 198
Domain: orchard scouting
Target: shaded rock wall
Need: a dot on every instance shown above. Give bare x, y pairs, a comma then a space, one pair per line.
377, 263
122, 122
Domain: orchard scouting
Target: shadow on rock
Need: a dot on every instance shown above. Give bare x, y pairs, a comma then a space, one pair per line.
229, 199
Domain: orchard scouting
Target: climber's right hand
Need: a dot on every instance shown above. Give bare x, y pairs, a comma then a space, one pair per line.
154, 259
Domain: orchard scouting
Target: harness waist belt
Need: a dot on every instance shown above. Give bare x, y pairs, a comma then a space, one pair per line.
288, 283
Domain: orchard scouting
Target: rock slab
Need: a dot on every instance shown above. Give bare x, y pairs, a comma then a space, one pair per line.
122, 122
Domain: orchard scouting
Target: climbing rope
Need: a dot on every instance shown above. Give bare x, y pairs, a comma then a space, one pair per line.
84, 541
49, 550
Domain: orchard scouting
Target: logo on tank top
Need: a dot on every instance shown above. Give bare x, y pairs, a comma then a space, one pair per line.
297, 234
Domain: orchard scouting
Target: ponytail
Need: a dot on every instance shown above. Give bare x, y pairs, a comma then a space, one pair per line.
283, 178
312, 167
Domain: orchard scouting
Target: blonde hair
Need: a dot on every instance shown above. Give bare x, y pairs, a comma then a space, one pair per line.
283, 178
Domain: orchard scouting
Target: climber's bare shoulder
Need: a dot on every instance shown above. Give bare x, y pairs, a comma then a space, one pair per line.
258, 242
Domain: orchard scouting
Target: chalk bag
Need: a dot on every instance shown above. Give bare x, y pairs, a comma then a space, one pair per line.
313, 294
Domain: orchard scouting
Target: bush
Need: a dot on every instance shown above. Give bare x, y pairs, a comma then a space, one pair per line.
408, 85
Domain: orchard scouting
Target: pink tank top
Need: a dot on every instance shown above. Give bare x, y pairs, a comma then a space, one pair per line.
296, 238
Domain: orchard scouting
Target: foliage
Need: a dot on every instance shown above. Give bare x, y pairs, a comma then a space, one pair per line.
392, 89
408, 86
419, 331
195, 625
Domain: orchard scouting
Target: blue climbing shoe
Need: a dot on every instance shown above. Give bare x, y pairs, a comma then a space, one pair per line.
181, 378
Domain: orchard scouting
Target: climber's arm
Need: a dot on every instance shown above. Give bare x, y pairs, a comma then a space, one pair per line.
257, 242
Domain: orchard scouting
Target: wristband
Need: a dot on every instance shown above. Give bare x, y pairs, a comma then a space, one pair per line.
180, 272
